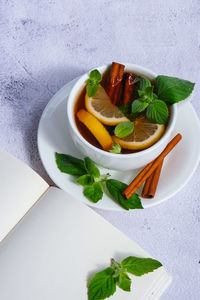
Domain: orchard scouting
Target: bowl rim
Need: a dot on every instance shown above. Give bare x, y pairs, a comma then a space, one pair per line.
78, 87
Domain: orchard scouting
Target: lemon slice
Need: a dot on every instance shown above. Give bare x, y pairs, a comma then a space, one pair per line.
96, 128
103, 109
145, 134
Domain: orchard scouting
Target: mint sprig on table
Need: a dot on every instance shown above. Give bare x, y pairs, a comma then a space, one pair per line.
93, 82
94, 183
103, 284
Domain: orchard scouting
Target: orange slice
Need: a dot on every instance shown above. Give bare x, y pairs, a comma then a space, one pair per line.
145, 134
96, 128
103, 109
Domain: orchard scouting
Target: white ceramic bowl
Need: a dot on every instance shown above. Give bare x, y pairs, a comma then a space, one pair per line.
111, 160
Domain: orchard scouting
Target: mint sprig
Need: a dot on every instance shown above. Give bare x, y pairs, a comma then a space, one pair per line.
168, 90
93, 82
156, 110
103, 284
93, 182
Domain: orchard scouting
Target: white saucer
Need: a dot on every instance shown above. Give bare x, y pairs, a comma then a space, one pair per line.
53, 136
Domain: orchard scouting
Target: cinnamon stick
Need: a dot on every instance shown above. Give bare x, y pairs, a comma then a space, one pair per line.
128, 87
113, 87
150, 168
151, 183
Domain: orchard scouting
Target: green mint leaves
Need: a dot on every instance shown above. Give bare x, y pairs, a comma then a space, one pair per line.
91, 168
157, 112
85, 180
93, 182
139, 106
116, 189
143, 83
89, 175
116, 148
124, 129
172, 89
140, 266
124, 282
93, 192
169, 90
93, 82
103, 284
70, 165
147, 94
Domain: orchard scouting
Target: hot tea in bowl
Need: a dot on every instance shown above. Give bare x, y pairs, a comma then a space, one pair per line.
117, 118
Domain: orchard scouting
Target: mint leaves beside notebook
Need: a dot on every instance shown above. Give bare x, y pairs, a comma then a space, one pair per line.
94, 183
103, 284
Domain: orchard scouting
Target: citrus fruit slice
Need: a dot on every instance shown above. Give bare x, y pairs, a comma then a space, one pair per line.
96, 128
103, 109
145, 134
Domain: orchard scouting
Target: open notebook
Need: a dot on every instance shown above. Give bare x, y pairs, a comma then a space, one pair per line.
57, 243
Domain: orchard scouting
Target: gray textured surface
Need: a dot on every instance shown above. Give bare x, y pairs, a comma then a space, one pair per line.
44, 44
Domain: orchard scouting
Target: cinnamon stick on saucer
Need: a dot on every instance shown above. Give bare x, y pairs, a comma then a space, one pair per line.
150, 168
113, 87
151, 183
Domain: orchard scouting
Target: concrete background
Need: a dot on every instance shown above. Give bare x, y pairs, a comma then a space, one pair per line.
44, 44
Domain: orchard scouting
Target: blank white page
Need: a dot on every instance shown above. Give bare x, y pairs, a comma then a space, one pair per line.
20, 188
58, 245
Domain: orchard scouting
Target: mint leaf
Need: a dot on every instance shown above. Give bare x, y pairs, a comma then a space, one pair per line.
116, 148
140, 266
157, 112
126, 109
124, 129
146, 97
93, 192
70, 165
92, 88
139, 106
124, 282
93, 82
147, 94
172, 89
95, 75
102, 285
91, 168
85, 180
116, 189
143, 82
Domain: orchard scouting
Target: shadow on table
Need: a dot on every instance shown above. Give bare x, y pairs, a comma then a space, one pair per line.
27, 97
